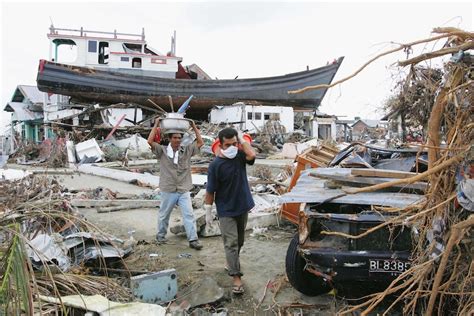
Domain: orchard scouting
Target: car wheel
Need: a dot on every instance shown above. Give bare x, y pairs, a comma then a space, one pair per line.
303, 281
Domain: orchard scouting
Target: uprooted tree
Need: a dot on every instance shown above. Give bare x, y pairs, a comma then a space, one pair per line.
414, 98
440, 280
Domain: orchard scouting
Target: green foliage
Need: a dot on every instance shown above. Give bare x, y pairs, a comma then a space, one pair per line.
15, 290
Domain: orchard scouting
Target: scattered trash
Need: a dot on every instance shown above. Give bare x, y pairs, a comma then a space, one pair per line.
185, 255
258, 231
103, 307
205, 291
157, 287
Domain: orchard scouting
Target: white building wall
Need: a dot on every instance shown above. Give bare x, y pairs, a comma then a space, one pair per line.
226, 115
254, 117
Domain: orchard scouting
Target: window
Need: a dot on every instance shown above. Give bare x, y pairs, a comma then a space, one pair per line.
124, 59
136, 62
249, 115
266, 116
258, 116
92, 48
103, 52
132, 48
65, 51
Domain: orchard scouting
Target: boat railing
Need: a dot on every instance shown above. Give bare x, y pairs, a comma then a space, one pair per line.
55, 31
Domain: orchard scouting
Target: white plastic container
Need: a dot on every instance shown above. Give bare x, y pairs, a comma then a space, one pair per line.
174, 122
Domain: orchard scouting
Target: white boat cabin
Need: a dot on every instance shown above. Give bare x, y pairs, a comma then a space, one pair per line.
124, 52
253, 118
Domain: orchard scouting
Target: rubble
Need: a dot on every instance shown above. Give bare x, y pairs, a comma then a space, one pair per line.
157, 288
355, 204
439, 270
205, 291
103, 307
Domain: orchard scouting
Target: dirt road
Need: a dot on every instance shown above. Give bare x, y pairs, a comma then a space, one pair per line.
262, 257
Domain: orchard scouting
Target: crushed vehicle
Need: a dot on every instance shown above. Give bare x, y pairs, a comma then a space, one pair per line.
321, 257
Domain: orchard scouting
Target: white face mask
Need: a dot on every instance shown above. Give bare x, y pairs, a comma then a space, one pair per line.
230, 152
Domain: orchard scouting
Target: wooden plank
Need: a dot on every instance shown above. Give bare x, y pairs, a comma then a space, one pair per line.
117, 208
380, 173
324, 154
311, 190
366, 181
320, 158
334, 151
105, 203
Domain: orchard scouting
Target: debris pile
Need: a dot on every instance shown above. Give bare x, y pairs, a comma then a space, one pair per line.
49, 153
439, 280
407, 201
42, 238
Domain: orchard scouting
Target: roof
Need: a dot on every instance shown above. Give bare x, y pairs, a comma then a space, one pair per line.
349, 122
31, 93
369, 123
390, 115
321, 114
22, 112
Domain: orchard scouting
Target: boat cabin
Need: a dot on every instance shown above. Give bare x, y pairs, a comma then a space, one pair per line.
123, 52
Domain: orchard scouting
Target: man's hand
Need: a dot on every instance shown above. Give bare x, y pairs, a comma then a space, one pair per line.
209, 215
157, 122
199, 141
240, 137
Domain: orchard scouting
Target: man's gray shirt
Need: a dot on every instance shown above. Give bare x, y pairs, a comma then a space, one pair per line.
176, 177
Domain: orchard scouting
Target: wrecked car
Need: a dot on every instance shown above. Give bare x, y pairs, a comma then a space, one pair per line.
321, 257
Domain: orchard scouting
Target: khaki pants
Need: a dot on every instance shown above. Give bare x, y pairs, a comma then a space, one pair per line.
233, 235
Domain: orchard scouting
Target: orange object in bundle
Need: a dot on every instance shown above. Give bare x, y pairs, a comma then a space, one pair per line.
158, 135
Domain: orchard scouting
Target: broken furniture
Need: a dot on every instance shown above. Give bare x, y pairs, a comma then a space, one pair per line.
311, 158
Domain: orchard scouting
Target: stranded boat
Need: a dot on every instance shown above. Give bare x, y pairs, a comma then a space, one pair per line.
119, 67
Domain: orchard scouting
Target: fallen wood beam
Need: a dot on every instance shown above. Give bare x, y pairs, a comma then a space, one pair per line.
52, 171
132, 177
105, 203
416, 178
421, 186
379, 173
117, 208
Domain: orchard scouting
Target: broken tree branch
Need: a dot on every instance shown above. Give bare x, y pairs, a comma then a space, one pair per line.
403, 46
434, 123
456, 234
438, 53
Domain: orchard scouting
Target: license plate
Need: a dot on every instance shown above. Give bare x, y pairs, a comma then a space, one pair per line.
388, 266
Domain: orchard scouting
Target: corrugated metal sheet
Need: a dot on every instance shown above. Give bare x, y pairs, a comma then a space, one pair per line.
309, 189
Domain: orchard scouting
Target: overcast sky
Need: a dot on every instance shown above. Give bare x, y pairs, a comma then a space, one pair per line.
248, 39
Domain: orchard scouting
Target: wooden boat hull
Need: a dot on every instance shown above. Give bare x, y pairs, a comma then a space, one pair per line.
88, 84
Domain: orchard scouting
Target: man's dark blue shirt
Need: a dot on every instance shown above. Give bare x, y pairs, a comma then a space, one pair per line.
228, 179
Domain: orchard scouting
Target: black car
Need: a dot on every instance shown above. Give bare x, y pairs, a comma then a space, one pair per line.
317, 262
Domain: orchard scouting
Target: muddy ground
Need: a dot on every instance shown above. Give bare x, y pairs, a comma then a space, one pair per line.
262, 256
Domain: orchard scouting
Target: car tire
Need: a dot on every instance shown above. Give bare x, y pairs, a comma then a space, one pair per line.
303, 281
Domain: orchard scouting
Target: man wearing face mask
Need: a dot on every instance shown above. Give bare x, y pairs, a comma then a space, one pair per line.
176, 182
228, 186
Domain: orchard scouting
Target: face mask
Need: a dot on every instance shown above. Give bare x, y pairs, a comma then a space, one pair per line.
230, 152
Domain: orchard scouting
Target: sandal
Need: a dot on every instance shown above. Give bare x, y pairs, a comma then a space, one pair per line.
238, 289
